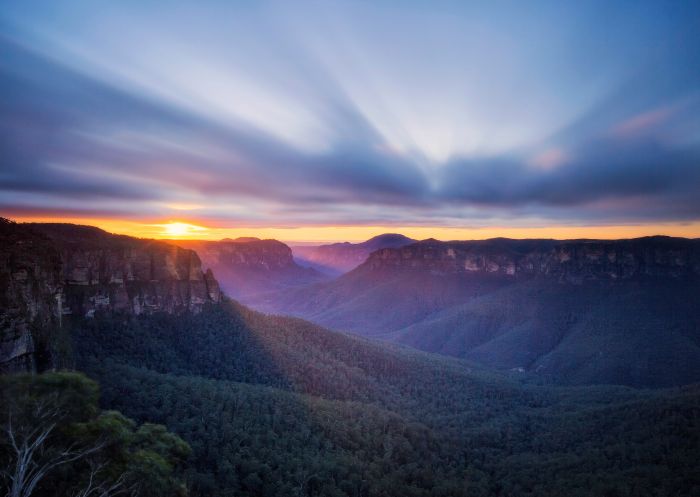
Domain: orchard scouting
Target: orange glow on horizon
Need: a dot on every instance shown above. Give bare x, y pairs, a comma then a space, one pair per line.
181, 230
193, 229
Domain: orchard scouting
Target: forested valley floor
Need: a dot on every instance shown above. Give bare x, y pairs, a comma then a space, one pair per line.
276, 406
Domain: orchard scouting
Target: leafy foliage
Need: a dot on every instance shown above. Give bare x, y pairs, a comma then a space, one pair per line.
56, 441
277, 406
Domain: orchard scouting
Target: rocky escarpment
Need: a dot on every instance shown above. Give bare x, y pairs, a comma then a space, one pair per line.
52, 271
246, 251
31, 290
120, 273
248, 266
570, 260
575, 312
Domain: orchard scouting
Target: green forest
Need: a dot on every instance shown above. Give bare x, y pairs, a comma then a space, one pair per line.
56, 441
274, 406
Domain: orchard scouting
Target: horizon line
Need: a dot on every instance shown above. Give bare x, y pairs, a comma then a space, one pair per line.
315, 235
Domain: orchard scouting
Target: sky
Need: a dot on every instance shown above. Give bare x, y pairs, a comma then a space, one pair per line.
320, 121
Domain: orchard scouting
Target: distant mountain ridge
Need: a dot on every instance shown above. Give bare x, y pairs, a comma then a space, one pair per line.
577, 311
247, 266
572, 260
338, 258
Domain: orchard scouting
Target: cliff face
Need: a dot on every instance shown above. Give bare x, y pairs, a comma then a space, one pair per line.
576, 312
572, 261
50, 271
120, 273
249, 266
246, 252
30, 296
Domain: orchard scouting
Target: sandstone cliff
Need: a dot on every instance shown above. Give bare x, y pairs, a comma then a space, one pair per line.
568, 260
31, 292
105, 271
51, 271
245, 251
250, 266
576, 312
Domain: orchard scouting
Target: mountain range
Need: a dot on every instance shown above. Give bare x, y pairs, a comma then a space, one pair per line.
337, 258
573, 312
577, 312
277, 406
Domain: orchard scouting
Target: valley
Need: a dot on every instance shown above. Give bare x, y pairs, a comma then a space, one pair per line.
349, 248
276, 406
574, 312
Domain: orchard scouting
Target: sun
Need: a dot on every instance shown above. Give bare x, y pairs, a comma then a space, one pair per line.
179, 230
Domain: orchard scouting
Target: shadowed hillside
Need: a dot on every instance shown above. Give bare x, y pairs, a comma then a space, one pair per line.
579, 312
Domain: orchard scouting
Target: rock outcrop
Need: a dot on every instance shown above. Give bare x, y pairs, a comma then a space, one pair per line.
50, 271
120, 273
245, 251
569, 260
575, 312
31, 292
250, 266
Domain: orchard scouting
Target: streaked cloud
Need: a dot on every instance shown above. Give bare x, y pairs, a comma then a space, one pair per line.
388, 114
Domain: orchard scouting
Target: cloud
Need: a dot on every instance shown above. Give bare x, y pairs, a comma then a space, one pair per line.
76, 141
597, 170
110, 143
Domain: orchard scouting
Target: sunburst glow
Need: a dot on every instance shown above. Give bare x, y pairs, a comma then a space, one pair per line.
181, 230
